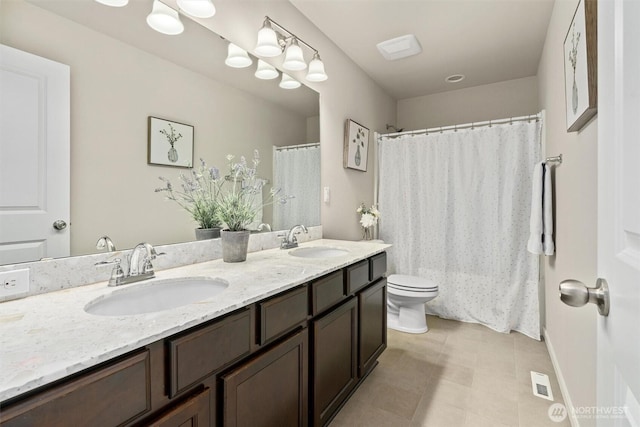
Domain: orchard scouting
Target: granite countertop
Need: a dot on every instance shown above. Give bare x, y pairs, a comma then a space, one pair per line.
46, 337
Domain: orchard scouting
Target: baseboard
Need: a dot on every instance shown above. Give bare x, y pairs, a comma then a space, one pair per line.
563, 386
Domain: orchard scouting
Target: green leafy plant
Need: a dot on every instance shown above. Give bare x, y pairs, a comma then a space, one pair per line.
199, 194
242, 200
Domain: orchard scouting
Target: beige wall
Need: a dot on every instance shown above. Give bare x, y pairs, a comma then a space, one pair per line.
348, 93
114, 87
493, 101
571, 332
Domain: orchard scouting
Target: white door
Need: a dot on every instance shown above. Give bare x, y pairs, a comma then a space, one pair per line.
619, 211
34, 157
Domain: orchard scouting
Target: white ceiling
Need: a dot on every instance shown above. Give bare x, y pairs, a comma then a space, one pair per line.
486, 40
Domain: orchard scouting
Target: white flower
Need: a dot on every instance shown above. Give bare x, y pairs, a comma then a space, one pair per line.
359, 210
368, 220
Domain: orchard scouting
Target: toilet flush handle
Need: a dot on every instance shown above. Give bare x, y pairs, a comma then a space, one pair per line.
576, 294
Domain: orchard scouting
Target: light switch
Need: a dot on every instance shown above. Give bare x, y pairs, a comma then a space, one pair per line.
327, 194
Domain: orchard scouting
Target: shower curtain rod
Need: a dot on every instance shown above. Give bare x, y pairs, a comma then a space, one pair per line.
455, 128
293, 147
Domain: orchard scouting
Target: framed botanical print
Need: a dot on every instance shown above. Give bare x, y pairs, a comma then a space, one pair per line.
581, 66
356, 146
170, 143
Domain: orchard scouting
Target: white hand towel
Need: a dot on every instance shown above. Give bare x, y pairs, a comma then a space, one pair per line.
547, 212
535, 222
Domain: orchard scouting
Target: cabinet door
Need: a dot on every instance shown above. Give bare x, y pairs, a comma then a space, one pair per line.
89, 399
372, 320
270, 389
193, 412
335, 374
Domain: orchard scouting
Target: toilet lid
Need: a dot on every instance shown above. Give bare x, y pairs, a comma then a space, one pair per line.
411, 283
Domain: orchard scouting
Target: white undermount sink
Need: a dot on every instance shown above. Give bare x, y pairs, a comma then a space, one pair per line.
318, 252
156, 295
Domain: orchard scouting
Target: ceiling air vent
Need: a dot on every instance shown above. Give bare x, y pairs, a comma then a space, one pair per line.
400, 47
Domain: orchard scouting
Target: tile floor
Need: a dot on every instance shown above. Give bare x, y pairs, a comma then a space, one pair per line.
457, 374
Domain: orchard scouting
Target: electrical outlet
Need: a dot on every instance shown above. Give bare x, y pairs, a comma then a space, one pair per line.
14, 283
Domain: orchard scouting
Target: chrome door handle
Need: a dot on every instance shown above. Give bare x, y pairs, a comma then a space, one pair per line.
576, 294
59, 224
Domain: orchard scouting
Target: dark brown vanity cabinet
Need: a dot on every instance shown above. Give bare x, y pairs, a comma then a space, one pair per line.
193, 412
334, 362
372, 321
270, 389
289, 360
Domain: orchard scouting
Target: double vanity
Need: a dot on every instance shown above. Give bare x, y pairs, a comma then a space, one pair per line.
281, 339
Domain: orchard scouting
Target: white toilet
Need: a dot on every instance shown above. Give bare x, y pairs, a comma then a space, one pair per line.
406, 296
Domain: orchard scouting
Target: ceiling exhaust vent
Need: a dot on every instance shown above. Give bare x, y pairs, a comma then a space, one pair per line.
400, 47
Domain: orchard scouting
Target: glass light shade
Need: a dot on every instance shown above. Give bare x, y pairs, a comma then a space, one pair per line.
267, 44
316, 70
289, 82
266, 71
198, 8
164, 19
293, 57
114, 3
237, 57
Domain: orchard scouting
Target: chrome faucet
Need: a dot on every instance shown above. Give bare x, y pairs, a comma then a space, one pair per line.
105, 242
140, 267
290, 240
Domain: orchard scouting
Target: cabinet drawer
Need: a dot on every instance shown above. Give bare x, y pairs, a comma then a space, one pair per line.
90, 399
377, 266
357, 276
198, 354
283, 313
326, 292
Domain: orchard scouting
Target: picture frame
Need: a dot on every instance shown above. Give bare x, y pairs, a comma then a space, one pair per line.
581, 66
169, 143
356, 146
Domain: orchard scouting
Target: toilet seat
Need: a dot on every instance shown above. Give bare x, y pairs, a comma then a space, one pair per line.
408, 286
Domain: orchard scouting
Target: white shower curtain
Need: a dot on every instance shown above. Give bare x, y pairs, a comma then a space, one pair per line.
296, 171
456, 205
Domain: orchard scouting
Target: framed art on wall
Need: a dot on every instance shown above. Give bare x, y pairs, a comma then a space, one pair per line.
356, 146
170, 143
580, 66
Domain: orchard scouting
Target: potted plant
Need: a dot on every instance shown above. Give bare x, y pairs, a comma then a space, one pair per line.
198, 196
239, 205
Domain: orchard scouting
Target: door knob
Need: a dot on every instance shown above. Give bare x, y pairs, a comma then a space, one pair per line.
576, 294
59, 224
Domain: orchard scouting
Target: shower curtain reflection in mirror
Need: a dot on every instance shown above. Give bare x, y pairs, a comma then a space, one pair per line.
296, 171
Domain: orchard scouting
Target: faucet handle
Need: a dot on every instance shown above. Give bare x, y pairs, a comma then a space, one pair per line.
117, 274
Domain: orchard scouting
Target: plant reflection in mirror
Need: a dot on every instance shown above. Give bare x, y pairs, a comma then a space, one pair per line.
199, 195
241, 202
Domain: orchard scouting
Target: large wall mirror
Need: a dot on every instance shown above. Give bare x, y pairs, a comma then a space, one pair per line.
122, 72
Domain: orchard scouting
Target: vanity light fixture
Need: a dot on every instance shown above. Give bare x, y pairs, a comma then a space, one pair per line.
197, 8
237, 57
316, 69
293, 57
164, 19
268, 45
272, 43
288, 82
114, 3
266, 71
